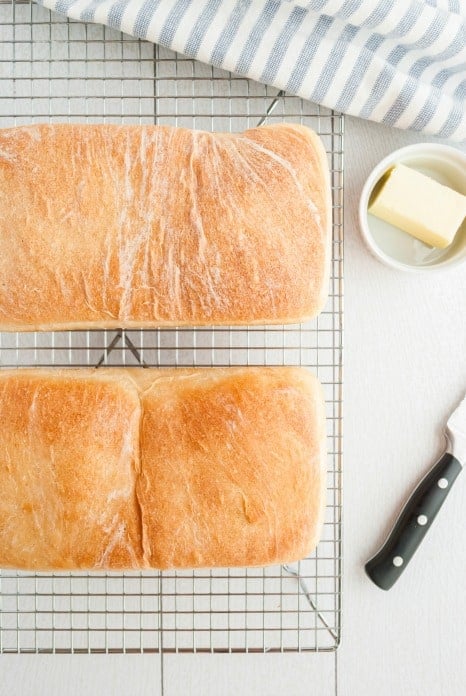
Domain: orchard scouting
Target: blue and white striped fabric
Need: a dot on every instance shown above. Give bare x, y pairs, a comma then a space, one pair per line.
400, 62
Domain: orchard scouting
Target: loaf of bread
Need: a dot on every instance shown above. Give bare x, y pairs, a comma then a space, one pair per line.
160, 468
105, 226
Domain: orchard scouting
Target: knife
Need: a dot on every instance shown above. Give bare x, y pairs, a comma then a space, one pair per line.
420, 510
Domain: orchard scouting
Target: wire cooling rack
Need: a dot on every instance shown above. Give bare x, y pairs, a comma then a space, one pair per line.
52, 70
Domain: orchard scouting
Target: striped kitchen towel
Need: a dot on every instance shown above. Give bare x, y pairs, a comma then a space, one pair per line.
400, 62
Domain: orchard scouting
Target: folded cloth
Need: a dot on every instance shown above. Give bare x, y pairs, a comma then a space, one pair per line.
400, 62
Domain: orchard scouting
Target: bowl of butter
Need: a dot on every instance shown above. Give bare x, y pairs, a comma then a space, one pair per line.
412, 209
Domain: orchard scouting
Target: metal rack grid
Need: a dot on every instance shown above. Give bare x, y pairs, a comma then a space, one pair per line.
52, 69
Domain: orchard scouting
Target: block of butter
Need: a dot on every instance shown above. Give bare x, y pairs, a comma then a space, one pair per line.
419, 205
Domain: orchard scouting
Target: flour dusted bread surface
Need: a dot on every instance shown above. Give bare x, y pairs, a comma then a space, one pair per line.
68, 448
127, 468
123, 226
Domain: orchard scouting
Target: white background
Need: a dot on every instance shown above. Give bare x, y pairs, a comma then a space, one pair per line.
405, 368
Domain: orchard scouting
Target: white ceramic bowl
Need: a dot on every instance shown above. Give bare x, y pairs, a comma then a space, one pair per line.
391, 245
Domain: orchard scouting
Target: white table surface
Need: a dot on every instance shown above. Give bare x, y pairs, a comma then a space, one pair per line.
405, 368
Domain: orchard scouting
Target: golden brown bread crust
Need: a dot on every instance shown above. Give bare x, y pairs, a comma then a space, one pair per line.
68, 448
132, 468
231, 467
120, 226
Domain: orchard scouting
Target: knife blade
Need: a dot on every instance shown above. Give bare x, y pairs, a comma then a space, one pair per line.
422, 506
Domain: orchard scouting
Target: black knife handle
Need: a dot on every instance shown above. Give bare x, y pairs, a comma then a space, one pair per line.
411, 526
